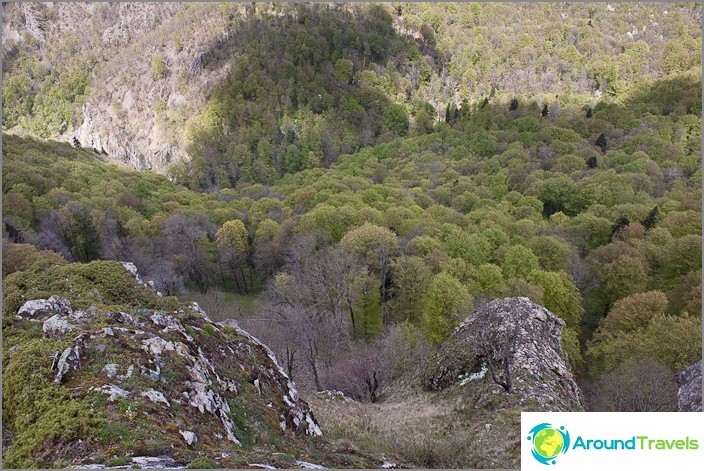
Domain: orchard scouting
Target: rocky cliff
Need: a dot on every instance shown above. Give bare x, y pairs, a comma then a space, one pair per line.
145, 64
689, 396
509, 347
106, 372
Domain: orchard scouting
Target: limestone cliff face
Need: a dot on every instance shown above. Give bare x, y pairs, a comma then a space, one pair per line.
153, 84
509, 347
145, 67
689, 396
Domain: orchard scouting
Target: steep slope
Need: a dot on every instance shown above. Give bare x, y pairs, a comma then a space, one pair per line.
141, 82
115, 374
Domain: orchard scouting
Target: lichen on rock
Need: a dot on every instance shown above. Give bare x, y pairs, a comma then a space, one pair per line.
518, 342
141, 367
41, 309
689, 396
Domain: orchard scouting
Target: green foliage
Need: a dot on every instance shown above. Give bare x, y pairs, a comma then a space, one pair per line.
519, 262
36, 409
202, 463
560, 295
475, 249
489, 277
673, 340
100, 282
366, 306
372, 243
233, 235
159, 68
17, 100
446, 301
570, 344
278, 89
19, 257
621, 278
411, 278
632, 313
553, 254
351, 158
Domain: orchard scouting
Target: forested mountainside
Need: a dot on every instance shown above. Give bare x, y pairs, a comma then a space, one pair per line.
250, 91
359, 181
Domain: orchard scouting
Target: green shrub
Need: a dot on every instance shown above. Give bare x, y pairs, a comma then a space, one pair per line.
159, 68
202, 463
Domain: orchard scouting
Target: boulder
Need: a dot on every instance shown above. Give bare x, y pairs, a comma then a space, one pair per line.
42, 309
56, 326
513, 345
209, 392
188, 436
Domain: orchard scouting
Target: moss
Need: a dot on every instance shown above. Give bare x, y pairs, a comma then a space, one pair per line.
157, 446
241, 427
38, 411
101, 283
202, 463
190, 331
113, 432
118, 461
208, 329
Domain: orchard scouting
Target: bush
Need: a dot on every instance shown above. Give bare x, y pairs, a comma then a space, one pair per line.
642, 384
202, 463
18, 257
159, 68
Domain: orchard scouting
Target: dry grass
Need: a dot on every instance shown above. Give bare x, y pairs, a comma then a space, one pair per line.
424, 429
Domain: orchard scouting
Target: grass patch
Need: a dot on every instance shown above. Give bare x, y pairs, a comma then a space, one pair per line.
202, 463
221, 305
118, 461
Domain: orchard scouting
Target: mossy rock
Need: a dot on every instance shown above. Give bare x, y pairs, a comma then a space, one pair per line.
100, 283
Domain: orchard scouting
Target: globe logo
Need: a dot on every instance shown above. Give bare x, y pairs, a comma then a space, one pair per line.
548, 442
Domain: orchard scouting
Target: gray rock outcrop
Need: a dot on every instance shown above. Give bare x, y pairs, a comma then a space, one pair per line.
689, 396
42, 309
514, 345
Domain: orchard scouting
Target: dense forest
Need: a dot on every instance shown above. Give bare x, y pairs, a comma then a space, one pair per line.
593, 212
362, 178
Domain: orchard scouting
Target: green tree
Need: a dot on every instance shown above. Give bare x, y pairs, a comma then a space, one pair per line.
447, 300
675, 341
374, 245
396, 119
601, 143
553, 254
621, 278
560, 295
475, 249
519, 262
159, 68
632, 313
570, 344
489, 278
233, 235
17, 100
80, 226
232, 241
366, 306
411, 278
